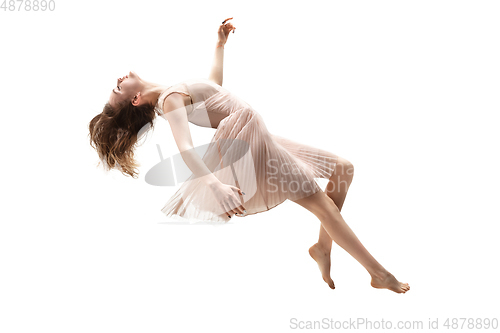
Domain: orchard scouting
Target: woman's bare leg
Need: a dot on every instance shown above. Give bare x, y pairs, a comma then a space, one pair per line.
337, 188
328, 213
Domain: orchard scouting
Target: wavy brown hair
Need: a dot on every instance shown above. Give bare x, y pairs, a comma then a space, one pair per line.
113, 134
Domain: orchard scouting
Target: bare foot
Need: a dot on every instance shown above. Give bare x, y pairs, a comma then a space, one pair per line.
322, 258
388, 281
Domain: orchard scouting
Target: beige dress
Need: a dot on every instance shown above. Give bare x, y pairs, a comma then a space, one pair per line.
268, 168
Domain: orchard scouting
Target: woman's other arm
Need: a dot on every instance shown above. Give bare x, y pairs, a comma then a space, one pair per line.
216, 73
176, 115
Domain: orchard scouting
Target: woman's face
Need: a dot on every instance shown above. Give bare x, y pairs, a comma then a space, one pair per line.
126, 88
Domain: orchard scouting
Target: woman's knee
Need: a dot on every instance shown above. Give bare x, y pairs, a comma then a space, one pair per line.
344, 167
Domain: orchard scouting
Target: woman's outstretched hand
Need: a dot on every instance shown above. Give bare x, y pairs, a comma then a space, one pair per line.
224, 30
226, 196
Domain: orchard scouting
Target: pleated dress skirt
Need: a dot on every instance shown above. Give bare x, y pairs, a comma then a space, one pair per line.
268, 168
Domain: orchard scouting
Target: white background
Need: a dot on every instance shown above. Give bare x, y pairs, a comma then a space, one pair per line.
408, 91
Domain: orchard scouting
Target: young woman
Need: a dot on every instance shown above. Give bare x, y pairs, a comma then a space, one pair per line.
245, 170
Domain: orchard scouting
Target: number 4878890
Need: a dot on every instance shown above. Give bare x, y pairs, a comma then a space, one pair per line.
28, 5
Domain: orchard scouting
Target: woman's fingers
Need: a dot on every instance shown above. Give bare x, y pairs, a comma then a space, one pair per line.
231, 207
241, 210
238, 209
238, 206
229, 26
227, 209
234, 206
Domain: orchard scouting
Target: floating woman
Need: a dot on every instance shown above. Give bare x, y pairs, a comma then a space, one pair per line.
245, 170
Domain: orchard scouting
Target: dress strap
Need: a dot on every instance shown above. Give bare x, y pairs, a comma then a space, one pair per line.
176, 88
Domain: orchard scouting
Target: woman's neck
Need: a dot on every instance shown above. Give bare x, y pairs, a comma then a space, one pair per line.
151, 92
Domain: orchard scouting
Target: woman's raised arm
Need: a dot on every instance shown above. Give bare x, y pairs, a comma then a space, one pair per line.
216, 73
